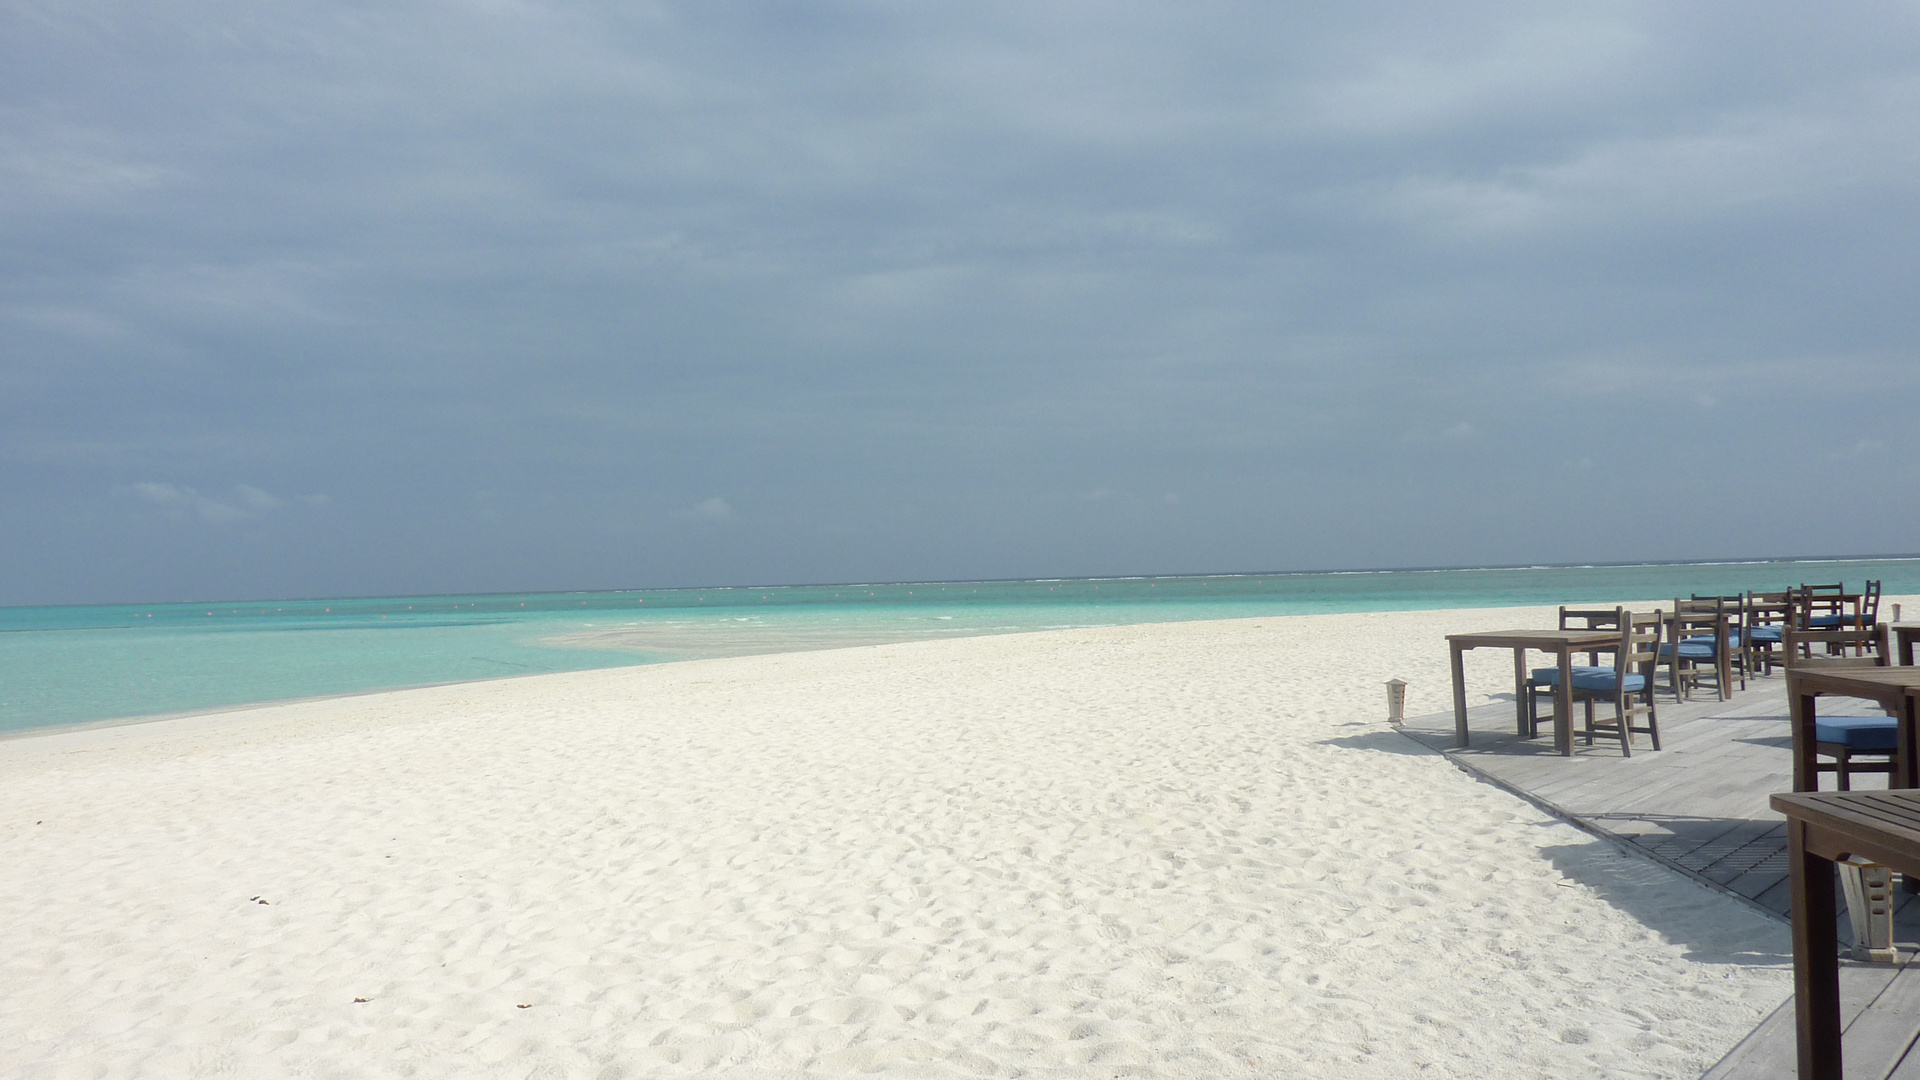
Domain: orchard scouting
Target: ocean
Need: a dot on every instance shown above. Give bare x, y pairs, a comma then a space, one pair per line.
84, 664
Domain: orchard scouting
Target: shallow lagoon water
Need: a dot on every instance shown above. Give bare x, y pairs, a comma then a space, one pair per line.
69, 665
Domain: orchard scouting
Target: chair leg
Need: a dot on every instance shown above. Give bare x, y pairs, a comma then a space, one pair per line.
1653, 720
1842, 779
1626, 725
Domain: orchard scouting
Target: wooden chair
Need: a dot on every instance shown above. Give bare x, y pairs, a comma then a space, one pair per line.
1739, 644
1698, 642
1867, 612
1843, 738
1628, 683
1543, 680
1630, 688
1765, 616
1822, 607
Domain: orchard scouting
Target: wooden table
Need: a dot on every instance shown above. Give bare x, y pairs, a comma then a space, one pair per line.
1892, 688
1823, 827
1561, 643
1904, 635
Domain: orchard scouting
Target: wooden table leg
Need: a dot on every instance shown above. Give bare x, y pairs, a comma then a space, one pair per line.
1563, 704
1905, 774
1816, 957
1520, 691
1459, 694
1906, 771
1800, 714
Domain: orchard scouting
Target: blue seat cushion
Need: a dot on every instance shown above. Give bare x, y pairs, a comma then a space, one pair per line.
1691, 649
1594, 679
1603, 684
1550, 676
1881, 733
1767, 633
1827, 622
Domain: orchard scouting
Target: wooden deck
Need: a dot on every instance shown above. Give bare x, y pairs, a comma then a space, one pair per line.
1699, 806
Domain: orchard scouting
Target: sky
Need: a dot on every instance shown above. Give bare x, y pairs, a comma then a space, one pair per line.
325, 298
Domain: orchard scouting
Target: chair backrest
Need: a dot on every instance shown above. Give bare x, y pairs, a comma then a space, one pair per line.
1803, 605
1870, 604
1815, 600
1640, 642
1767, 608
1699, 618
1735, 605
1869, 647
1589, 618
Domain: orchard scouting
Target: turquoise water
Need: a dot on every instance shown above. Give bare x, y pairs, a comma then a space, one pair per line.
67, 665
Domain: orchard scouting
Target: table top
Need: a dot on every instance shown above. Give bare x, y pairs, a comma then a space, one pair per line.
1887, 823
1861, 682
1535, 639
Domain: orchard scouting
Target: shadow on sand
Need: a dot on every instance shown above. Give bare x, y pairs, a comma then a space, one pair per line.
1383, 739
1627, 879
1637, 885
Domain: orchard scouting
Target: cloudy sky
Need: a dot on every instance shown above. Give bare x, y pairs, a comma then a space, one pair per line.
343, 298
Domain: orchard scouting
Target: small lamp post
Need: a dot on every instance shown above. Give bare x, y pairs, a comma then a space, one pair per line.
1396, 700
1868, 887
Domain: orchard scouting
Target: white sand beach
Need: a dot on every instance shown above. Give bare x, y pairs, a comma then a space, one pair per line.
1177, 850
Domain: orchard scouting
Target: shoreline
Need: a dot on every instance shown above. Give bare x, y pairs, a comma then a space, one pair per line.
643, 641
1175, 849
133, 674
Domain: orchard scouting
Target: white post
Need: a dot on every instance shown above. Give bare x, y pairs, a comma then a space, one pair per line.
1869, 889
1396, 701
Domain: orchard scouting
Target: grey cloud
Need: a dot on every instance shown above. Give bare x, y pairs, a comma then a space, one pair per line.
254, 499
835, 259
186, 500
246, 501
713, 509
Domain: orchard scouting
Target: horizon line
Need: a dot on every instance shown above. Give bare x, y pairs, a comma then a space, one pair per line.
1582, 565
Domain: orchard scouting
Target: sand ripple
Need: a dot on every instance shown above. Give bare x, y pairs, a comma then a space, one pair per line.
1162, 851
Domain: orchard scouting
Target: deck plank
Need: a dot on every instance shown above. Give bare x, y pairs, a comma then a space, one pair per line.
1879, 1039
1769, 1052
